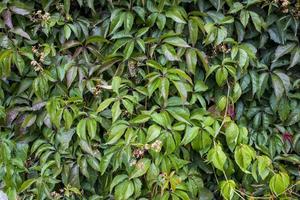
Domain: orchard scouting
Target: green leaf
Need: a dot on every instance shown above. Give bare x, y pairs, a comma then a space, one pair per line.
181, 73
91, 127
29, 120
104, 162
193, 31
116, 133
283, 109
71, 75
295, 58
117, 180
221, 104
140, 11
81, 129
117, 18
128, 49
176, 41
68, 118
104, 104
129, 18
20, 32
243, 58
18, 60
237, 92
116, 82
96, 39
67, 31
154, 64
191, 60
237, 6
279, 183
26, 184
244, 17
278, 86
162, 119
140, 119
264, 163
124, 190
175, 14
243, 156
190, 134
202, 142
256, 21
70, 44
180, 114
200, 86
164, 88
169, 52
222, 34
161, 21
140, 168
182, 89
142, 31
221, 76
141, 44
153, 132
116, 111
232, 134
217, 156
227, 189
281, 50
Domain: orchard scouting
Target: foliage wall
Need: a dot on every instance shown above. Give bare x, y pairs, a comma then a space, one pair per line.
150, 99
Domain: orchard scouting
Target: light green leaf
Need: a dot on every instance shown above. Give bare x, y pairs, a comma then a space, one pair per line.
140, 119
227, 189
243, 156
221, 76
104, 104
217, 156
67, 31
26, 184
263, 165
232, 134
116, 82
279, 183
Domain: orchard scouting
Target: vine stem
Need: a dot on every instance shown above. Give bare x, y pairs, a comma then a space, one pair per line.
296, 194
247, 195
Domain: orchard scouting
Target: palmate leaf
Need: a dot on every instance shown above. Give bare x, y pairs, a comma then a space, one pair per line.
149, 99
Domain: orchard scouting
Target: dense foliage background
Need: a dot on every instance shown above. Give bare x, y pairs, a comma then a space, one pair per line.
150, 99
